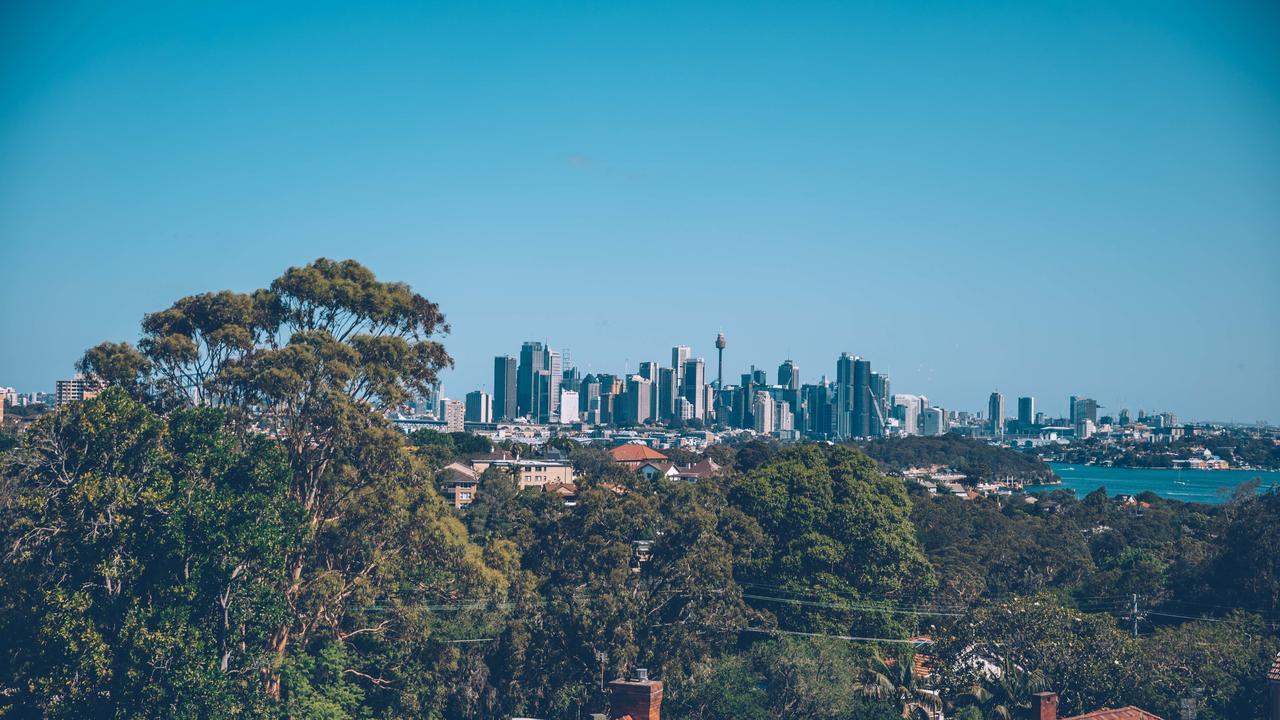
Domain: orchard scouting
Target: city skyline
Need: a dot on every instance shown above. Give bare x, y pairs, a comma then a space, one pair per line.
453, 388
1041, 200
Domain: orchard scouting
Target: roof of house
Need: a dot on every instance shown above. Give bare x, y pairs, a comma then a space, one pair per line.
562, 488
458, 473
663, 467
1274, 673
705, 467
1124, 713
634, 452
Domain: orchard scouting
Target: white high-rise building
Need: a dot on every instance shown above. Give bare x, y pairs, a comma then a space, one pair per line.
783, 419
762, 410
693, 382
906, 408
933, 421
568, 406
679, 355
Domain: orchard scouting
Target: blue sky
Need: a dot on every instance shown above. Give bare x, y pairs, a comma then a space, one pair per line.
1077, 197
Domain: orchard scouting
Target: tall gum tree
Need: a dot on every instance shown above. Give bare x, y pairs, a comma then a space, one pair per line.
312, 361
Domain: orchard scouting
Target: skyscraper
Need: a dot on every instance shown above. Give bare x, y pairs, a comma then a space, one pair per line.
789, 375
1026, 413
479, 408
933, 422
553, 392
862, 398
638, 400
843, 420
533, 359
881, 403
568, 405
762, 409
650, 370
694, 378
679, 355
995, 409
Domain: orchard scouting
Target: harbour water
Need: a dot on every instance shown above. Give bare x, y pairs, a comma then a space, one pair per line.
1203, 486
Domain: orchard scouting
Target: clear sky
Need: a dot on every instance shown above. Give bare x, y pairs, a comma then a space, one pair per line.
1044, 198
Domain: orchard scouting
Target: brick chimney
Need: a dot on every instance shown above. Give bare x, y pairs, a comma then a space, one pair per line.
637, 697
1045, 706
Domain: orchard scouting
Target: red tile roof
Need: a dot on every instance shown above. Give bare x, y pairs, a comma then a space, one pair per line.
1274, 673
1125, 713
632, 452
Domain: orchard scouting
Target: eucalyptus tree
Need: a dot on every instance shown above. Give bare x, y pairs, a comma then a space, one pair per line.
313, 361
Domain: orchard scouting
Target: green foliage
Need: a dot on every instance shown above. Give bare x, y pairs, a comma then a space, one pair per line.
837, 539
234, 529
1086, 658
1245, 567
146, 563
975, 457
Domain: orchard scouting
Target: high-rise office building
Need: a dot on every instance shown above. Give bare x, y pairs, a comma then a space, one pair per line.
907, 410
533, 360
1026, 413
933, 421
668, 391
995, 410
1084, 409
789, 375
679, 355
881, 403
568, 405
843, 411
762, 409
862, 409
555, 378
651, 371
636, 401
694, 378
504, 388
783, 419
816, 411
479, 407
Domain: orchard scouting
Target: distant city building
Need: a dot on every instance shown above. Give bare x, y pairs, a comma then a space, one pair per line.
783, 419
568, 406
789, 375
76, 389
907, 411
455, 414
504, 388
1026, 413
694, 377
862, 403
762, 409
1083, 409
679, 355
844, 398
933, 421
636, 401
479, 407
881, 403
995, 412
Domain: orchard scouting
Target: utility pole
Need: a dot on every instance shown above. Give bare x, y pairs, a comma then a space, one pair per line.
1135, 615
602, 657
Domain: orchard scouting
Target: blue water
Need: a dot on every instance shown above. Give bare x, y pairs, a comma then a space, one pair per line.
1203, 486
